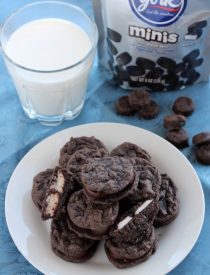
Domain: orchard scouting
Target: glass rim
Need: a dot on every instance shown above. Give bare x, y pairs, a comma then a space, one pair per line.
91, 21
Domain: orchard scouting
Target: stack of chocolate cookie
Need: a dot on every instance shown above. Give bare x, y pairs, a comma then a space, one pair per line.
176, 134
138, 102
93, 195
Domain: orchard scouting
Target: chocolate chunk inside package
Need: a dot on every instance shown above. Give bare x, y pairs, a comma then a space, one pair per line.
161, 45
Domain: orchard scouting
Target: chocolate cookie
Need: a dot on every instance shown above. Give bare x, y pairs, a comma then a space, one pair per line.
78, 159
133, 224
178, 138
130, 150
80, 143
123, 106
138, 99
203, 154
68, 246
174, 122
183, 106
88, 219
149, 111
125, 254
40, 184
108, 179
57, 192
201, 139
168, 202
149, 181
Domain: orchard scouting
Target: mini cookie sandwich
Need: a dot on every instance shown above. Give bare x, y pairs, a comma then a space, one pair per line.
88, 219
174, 122
125, 254
108, 179
202, 151
200, 139
133, 224
78, 159
68, 246
178, 138
184, 106
40, 184
123, 106
130, 150
57, 192
168, 202
149, 111
80, 143
149, 181
138, 99
203, 154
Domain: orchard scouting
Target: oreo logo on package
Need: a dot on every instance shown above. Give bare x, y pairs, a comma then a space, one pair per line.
158, 13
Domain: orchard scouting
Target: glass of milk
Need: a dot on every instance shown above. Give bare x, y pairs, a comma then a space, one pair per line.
48, 48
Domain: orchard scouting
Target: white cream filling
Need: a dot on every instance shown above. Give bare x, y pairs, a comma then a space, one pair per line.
142, 207
129, 218
124, 222
52, 202
58, 185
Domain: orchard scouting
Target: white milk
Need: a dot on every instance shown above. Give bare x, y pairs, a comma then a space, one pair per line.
46, 45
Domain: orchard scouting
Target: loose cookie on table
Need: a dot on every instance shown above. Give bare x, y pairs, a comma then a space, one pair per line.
168, 202
134, 223
123, 106
108, 179
149, 181
139, 99
202, 142
68, 246
183, 105
203, 154
125, 254
174, 122
149, 111
130, 150
90, 220
40, 185
201, 139
80, 143
57, 192
178, 138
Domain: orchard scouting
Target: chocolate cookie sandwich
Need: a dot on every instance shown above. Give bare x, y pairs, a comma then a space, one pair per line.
149, 181
78, 159
133, 224
108, 179
57, 192
80, 143
125, 254
168, 202
201, 142
68, 246
40, 184
90, 220
130, 150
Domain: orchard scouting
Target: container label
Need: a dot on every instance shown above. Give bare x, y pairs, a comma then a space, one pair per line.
158, 13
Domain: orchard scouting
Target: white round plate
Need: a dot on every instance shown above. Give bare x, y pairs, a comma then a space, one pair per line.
32, 236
